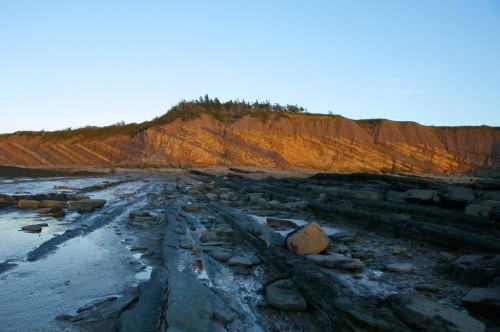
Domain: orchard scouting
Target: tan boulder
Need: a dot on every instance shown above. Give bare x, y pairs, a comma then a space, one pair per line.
28, 204
309, 239
52, 203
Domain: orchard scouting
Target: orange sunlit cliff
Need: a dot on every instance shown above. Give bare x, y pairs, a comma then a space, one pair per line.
207, 132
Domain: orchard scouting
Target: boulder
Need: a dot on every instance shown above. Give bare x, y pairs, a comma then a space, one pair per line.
52, 203
400, 267
283, 294
483, 301
426, 315
308, 239
28, 204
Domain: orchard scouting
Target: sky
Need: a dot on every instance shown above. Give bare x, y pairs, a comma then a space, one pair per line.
76, 63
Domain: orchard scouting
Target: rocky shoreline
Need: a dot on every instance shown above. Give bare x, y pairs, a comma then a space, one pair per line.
397, 253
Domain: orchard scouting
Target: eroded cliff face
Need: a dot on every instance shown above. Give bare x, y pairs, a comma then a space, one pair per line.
293, 141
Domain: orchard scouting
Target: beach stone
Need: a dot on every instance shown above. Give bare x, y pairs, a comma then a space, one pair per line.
446, 256
225, 232
192, 208
43, 211
140, 225
426, 315
483, 301
179, 231
209, 236
301, 205
58, 214
283, 295
52, 203
221, 255
187, 245
212, 196
355, 264
331, 260
273, 205
86, 209
239, 261
34, 228
254, 197
28, 204
308, 239
398, 250
137, 213
97, 203
241, 270
400, 267
427, 288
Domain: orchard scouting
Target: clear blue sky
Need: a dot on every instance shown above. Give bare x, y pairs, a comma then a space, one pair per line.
77, 63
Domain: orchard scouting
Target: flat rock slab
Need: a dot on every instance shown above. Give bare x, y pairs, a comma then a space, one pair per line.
280, 223
209, 236
283, 295
426, 315
483, 301
240, 261
332, 260
220, 254
34, 228
188, 307
400, 267
97, 203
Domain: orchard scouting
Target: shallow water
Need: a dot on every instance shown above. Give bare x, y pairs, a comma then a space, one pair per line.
81, 269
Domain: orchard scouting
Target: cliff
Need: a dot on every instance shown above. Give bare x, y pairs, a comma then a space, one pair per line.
277, 140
